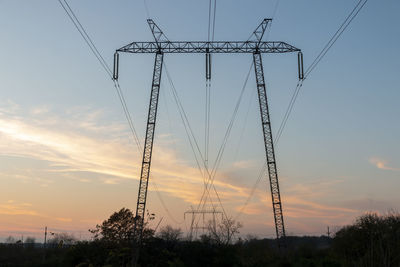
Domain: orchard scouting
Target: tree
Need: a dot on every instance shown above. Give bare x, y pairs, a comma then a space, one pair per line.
224, 232
371, 241
119, 228
30, 240
62, 239
170, 234
10, 240
116, 229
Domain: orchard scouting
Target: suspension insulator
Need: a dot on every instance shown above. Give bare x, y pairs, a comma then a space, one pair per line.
300, 65
208, 66
116, 66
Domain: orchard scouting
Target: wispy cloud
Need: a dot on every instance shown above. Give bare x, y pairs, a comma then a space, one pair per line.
87, 147
13, 208
243, 164
80, 146
382, 164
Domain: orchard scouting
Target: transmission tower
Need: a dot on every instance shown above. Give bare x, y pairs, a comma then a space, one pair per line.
255, 46
205, 225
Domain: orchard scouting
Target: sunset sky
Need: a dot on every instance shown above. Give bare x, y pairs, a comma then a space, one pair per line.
68, 160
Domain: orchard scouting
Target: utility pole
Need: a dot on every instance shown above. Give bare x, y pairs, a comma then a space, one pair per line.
255, 46
45, 236
45, 243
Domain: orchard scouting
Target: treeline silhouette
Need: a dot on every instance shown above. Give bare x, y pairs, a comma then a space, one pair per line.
372, 240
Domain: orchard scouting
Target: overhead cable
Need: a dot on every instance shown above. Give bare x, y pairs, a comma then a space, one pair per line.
316, 61
74, 19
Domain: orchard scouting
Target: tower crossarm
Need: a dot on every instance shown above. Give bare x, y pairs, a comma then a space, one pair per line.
208, 47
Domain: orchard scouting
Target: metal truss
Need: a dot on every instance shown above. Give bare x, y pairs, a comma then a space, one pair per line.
148, 145
208, 47
253, 45
269, 149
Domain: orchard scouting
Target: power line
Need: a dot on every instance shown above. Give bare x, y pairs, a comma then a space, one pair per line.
188, 129
117, 86
85, 37
337, 34
215, 11
88, 40
293, 99
225, 140
316, 61
163, 203
253, 190
146, 8
211, 34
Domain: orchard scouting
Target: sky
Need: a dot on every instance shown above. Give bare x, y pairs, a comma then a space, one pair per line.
67, 157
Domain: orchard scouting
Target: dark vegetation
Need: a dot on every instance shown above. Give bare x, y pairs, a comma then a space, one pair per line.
371, 241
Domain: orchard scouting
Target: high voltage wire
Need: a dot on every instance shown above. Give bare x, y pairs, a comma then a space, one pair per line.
163, 203
337, 34
189, 132
188, 129
215, 11
68, 10
210, 35
146, 8
225, 140
74, 19
253, 189
263, 168
323, 52
316, 61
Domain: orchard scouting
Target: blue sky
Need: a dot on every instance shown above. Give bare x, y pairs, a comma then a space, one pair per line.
68, 161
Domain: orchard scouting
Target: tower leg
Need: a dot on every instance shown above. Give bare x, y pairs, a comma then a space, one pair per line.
269, 149
148, 147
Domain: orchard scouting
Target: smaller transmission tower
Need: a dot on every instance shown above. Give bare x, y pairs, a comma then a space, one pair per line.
206, 220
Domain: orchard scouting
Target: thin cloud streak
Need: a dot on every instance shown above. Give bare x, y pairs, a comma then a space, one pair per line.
72, 150
382, 164
75, 149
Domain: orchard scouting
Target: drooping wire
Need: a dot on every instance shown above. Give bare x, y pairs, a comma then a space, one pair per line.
146, 8
244, 126
336, 36
292, 101
261, 174
269, 26
215, 11
68, 10
163, 203
316, 61
264, 166
288, 111
209, 20
88, 40
200, 161
206, 173
224, 142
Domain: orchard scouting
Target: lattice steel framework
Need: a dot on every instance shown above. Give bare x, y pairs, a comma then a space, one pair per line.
148, 144
269, 148
253, 45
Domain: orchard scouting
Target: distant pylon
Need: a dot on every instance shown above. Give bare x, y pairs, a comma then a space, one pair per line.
205, 222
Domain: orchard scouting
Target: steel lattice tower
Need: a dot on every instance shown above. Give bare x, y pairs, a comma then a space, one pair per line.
253, 45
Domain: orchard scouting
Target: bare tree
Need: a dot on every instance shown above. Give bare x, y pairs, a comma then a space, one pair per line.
225, 232
30, 240
170, 234
61, 239
10, 240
